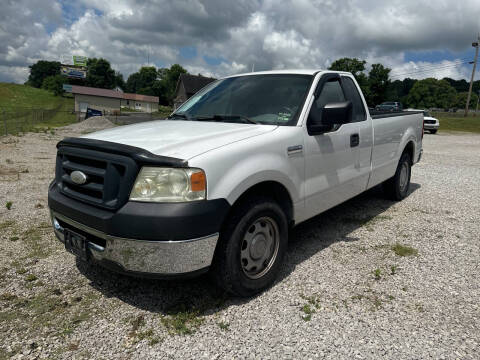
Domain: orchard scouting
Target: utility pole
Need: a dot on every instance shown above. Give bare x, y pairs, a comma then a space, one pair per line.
475, 45
478, 100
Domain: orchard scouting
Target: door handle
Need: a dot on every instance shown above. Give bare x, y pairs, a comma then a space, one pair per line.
354, 140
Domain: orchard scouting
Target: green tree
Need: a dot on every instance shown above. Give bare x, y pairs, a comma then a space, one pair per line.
461, 100
54, 84
41, 70
171, 79
100, 74
353, 65
357, 68
459, 85
378, 83
150, 81
431, 93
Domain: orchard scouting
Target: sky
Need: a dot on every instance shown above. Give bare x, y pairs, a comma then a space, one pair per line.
415, 38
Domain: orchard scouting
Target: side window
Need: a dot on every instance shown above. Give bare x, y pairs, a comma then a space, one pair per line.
331, 93
353, 95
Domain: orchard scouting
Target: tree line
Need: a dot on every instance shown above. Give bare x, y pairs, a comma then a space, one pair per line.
376, 83
428, 93
147, 81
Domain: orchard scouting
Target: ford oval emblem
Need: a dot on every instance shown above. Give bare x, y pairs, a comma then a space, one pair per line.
78, 177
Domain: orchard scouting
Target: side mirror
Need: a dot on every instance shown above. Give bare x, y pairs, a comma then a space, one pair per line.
323, 120
337, 113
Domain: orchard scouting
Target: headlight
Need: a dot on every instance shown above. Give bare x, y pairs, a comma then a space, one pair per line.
156, 184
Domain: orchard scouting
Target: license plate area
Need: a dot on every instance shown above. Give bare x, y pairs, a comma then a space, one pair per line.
76, 244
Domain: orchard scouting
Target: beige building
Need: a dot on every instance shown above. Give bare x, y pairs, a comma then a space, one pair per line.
139, 102
111, 101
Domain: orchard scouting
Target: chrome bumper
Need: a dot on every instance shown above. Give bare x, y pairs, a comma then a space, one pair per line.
143, 256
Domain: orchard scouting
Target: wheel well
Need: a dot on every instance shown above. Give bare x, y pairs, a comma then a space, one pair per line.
410, 150
272, 189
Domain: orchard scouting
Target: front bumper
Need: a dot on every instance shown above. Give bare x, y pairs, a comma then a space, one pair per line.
431, 126
143, 239
141, 257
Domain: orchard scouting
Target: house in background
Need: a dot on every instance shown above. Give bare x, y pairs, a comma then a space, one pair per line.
188, 85
139, 102
111, 101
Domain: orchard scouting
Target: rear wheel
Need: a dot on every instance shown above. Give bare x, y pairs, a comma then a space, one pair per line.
396, 188
251, 248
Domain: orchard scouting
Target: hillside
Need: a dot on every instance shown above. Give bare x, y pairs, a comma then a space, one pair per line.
14, 96
24, 108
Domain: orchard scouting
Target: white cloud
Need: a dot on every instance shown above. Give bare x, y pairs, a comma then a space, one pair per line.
269, 33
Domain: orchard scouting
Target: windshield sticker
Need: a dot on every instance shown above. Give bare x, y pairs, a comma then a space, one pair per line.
283, 116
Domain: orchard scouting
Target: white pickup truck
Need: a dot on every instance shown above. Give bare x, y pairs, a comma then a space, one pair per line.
218, 184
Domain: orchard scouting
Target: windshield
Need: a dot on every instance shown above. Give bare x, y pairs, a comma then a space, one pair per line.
264, 99
426, 114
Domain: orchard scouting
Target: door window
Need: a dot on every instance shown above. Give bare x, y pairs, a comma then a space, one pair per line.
331, 93
353, 95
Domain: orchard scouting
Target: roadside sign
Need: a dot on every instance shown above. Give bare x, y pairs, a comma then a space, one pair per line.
67, 88
79, 60
72, 72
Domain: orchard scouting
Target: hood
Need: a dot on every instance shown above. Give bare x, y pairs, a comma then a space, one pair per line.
180, 139
429, 118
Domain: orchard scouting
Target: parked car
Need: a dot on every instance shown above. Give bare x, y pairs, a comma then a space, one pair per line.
92, 112
430, 123
218, 185
390, 106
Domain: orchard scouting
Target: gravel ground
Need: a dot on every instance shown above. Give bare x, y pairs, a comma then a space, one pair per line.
344, 291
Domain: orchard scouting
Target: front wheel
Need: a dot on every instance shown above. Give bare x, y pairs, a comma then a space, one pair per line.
396, 188
251, 248
433, 131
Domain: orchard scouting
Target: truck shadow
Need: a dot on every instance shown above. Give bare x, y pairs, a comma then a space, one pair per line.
201, 296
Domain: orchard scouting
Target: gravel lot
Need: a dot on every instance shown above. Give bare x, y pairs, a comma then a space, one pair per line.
343, 293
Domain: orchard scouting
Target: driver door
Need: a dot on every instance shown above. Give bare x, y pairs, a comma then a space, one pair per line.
330, 157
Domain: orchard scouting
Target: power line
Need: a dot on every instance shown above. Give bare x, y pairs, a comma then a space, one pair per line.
431, 66
429, 70
432, 72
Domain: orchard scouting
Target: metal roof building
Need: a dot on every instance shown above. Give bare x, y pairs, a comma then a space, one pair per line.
110, 101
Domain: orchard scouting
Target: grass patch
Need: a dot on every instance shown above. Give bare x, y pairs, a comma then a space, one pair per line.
30, 278
308, 311
378, 274
182, 321
6, 224
223, 325
393, 269
457, 122
163, 112
8, 205
404, 250
36, 248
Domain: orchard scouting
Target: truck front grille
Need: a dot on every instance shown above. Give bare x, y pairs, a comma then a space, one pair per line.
429, 121
109, 176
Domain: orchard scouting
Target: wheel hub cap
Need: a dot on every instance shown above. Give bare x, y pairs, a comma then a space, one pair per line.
259, 247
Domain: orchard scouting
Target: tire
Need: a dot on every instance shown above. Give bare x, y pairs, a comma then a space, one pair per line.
433, 131
396, 188
254, 237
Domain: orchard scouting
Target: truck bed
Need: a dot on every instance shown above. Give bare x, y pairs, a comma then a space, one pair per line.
385, 114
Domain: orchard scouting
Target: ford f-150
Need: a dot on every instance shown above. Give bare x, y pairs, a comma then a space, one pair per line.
217, 186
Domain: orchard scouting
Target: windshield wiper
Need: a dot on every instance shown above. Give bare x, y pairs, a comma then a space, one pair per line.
232, 118
176, 116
